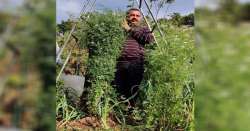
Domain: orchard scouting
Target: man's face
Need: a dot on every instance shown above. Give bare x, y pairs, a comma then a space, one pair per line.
134, 17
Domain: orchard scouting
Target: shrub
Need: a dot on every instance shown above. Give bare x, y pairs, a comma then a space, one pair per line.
168, 81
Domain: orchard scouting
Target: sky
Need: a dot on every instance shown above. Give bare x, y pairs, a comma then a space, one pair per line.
9, 5
66, 8
212, 3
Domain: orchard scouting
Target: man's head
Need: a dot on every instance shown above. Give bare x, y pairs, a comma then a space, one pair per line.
134, 17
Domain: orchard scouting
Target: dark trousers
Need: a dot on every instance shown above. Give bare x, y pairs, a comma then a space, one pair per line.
128, 76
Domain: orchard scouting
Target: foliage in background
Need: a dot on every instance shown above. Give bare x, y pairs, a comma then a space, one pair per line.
64, 26
244, 12
222, 93
32, 39
233, 12
4, 20
222, 99
178, 20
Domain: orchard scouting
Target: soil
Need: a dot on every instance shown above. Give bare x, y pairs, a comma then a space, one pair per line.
87, 124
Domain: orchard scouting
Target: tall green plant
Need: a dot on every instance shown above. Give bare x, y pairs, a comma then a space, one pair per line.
168, 82
103, 39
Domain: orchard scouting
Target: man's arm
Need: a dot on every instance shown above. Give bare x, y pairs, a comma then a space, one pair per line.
143, 35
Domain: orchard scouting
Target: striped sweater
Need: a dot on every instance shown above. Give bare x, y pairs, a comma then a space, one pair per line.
133, 46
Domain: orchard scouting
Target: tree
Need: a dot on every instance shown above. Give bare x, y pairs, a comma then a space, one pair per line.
188, 19
65, 26
3, 21
244, 12
229, 10
176, 19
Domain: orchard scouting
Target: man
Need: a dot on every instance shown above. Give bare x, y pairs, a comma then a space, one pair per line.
130, 65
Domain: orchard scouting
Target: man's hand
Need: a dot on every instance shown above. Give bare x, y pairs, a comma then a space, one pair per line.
125, 25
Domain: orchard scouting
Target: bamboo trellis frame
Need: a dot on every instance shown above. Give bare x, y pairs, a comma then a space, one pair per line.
83, 11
